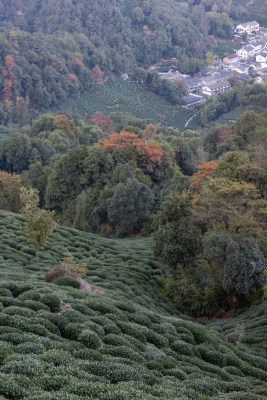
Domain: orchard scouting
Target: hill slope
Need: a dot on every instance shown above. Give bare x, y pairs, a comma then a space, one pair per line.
126, 344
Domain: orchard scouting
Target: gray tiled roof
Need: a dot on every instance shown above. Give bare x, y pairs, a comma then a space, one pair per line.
245, 24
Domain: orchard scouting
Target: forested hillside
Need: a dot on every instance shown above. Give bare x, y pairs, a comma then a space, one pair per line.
203, 197
50, 49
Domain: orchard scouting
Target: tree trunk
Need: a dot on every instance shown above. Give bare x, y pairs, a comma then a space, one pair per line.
37, 252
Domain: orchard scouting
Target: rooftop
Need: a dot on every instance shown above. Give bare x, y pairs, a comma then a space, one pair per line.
232, 56
193, 98
218, 85
250, 23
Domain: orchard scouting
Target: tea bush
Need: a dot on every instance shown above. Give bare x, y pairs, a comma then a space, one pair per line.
67, 281
127, 344
52, 301
90, 339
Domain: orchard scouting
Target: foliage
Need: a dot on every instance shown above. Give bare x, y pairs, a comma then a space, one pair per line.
66, 281
225, 204
40, 222
143, 347
10, 185
69, 265
176, 238
237, 259
129, 205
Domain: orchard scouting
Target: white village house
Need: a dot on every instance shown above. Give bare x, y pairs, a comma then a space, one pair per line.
248, 27
262, 57
213, 89
246, 52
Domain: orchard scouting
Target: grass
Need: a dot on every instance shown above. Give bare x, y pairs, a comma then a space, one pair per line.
127, 344
226, 47
233, 115
123, 96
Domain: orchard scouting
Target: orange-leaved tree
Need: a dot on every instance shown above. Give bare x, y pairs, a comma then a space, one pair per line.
68, 126
150, 131
204, 170
9, 62
97, 75
105, 123
147, 155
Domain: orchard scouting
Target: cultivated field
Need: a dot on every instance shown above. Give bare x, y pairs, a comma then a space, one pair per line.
126, 344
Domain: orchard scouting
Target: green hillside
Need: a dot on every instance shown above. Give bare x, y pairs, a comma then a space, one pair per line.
126, 344
117, 95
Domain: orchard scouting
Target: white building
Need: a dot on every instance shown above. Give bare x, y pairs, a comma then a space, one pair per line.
261, 58
246, 52
213, 89
248, 27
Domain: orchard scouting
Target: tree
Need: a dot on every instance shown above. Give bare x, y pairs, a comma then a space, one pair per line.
17, 149
22, 111
128, 208
237, 165
105, 123
205, 169
10, 185
246, 124
9, 62
40, 222
68, 126
147, 155
210, 58
97, 75
237, 259
229, 205
150, 131
176, 239
74, 172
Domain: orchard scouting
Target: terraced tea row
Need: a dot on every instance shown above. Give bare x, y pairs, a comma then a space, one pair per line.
60, 342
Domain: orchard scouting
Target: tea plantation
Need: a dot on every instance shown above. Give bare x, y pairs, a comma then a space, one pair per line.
126, 344
119, 95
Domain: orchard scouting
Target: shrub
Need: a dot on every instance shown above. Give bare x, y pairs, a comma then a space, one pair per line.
156, 339
67, 281
56, 273
32, 304
113, 371
57, 357
233, 370
72, 331
7, 301
115, 340
177, 373
181, 347
9, 388
134, 330
52, 301
14, 310
30, 348
53, 383
30, 295
90, 339
28, 367
5, 350
88, 354
124, 352
210, 355
4, 292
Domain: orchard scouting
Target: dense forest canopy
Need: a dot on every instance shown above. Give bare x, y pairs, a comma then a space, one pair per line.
49, 49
